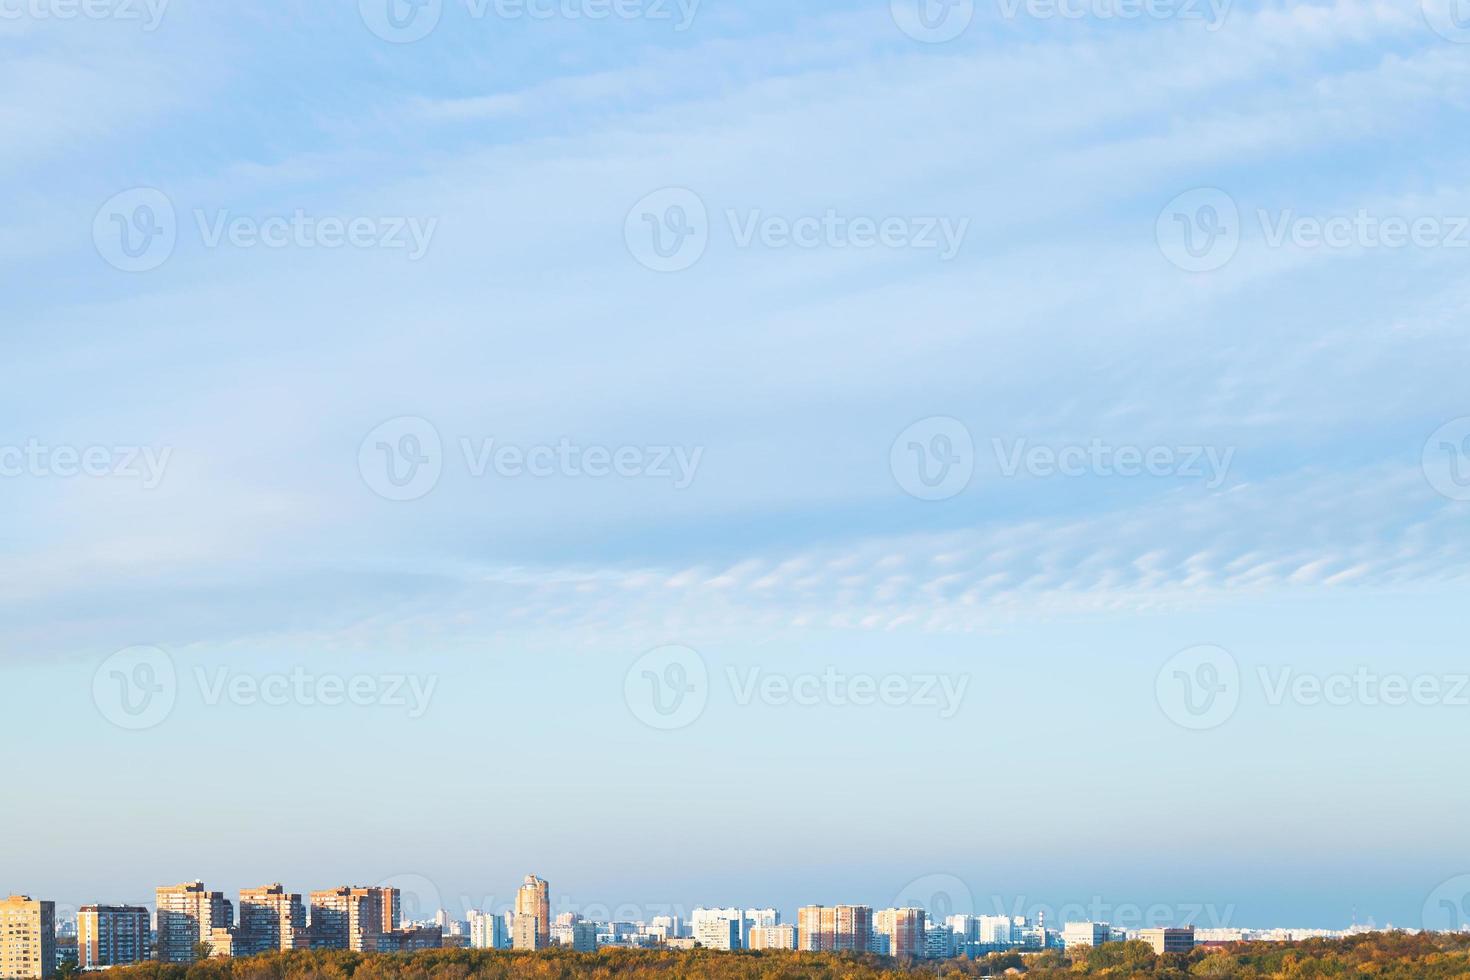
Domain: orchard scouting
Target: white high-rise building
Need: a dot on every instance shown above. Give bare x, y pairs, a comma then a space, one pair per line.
714, 932
966, 928
489, 931
734, 915
996, 930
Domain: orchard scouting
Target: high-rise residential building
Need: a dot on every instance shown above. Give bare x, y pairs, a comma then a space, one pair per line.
717, 932
966, 928
995, 930
842, 927
771, 937
189, 914
27, 938
904, 929
271, 918
939, 942
525, 933
584, 937
353, 917
488, 931
732, 914
1179, 940
111, 935
1076, 934
533, 901
809, 935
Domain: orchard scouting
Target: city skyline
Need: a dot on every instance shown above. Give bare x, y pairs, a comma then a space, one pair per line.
414, 900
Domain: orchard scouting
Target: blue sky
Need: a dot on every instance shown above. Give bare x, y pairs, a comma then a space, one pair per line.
1326, 382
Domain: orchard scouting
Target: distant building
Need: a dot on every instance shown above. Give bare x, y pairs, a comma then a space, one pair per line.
189, 914
714, 932
27, 938
838, 928
352, 917
271, 919
1077, 934
1178, 940
771, 937
761, 917
737, 916
584, 937
995, 930
489, 931
410, 939
533, 904
939, 942
526, 933
112, 935
66, 950
665, 927
966, 928
905, 930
